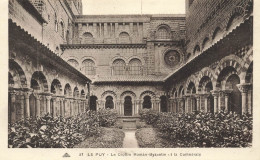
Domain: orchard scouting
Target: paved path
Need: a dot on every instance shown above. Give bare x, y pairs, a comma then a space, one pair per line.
130, 140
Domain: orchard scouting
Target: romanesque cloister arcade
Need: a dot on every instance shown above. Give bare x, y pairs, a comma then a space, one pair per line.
227, 88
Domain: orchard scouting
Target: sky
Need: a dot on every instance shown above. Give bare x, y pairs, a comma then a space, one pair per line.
99, 7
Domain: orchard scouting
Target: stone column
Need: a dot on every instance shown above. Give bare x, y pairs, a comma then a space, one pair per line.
13, 107
137, 106
21, 98
37, 108
157, 105
54, 99
48, 105
243, 88
27, 103
171, 105
198, 102
215, 95
250, 101
206, 102
226, 94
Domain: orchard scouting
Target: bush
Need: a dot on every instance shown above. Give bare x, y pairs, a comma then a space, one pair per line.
205, 129
149, 116
107, 117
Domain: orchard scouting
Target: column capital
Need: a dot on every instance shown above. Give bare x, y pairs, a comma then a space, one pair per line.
243, 88
227, 92
215, 93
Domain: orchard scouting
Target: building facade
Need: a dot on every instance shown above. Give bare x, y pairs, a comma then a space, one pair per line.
40, 81
198, 61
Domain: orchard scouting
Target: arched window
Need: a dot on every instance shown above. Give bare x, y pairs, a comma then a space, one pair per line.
124, 37
109, 102
88, 67
73, 62
87, 38
62, 29
147, 102
162, 33
55, 22
119, 67
135, 67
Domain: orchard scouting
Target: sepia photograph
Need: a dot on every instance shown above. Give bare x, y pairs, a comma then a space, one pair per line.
150, 74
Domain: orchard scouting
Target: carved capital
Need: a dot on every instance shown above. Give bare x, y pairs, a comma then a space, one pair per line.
243, 88
215, 93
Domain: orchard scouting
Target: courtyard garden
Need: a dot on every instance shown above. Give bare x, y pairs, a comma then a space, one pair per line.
170, 130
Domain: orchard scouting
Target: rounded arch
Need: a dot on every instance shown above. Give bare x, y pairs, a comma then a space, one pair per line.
128, 93
147, 93
216, 34
67, 90
17, 74
191, 88
108, 93
73, 62
206, 72
124, 37
135, 67
87, 57
205, 43
192, 78
118, 67
234, 17
174, 93
196, 49
109, 103
82, 93
163, 31
181, 91
205, 84
230, 61
87, 37
88, 67
56, 87
135, 57
38, 79
76, 92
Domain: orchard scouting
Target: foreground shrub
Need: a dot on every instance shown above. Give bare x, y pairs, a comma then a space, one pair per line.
205, 129
149, 116
49, 132
107, 117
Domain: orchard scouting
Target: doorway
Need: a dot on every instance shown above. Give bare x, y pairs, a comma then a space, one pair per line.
128, 106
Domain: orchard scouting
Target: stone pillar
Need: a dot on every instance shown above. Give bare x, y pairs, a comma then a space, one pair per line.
54, 99
206, 103
157, 105
48, 105
171, 105
21, 98
27, 103
37, 105
226, 94
243, 88
198, 102
13, 107
215, 95
137, 106
250, 101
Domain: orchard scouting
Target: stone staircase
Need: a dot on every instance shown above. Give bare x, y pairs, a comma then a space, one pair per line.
128, 122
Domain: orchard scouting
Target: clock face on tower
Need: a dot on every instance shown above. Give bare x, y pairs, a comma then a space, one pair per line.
172, 58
